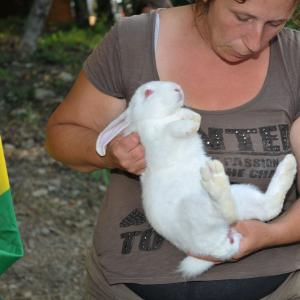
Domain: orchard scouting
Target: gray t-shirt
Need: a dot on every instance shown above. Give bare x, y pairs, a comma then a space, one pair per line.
250, 140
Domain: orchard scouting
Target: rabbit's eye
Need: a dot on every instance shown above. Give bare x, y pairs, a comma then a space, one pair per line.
148, 92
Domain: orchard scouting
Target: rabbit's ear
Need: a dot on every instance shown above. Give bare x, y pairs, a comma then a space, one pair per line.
111, 131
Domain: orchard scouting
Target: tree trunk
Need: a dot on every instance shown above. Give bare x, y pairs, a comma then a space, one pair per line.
105, 11
34, 26
81, 13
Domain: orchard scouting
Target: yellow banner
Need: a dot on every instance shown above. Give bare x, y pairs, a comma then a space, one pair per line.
4, 182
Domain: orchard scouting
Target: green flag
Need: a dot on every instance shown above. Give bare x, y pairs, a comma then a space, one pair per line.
11, 248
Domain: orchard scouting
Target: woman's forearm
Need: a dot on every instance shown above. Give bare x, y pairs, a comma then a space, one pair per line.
286, 228
257, 235
74, 146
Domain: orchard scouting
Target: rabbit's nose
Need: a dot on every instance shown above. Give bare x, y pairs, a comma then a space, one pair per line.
179, 91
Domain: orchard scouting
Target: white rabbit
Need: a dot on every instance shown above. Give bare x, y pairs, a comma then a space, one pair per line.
186, 195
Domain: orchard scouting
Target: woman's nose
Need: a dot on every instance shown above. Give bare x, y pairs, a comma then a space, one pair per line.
253, 37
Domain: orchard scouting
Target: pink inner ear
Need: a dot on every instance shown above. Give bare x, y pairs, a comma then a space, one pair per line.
148, 92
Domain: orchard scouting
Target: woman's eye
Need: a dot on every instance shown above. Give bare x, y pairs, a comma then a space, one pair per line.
275, 24
242, 18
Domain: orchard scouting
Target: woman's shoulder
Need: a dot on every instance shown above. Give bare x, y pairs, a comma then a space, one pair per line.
135, 22
290, 38
287, 47
178, 15
145, 23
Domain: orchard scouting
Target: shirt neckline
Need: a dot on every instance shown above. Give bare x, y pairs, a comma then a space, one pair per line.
155, 35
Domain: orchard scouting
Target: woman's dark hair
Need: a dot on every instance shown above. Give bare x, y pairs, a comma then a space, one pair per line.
203, 5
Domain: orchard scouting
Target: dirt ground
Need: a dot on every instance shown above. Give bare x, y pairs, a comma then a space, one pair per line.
56, 207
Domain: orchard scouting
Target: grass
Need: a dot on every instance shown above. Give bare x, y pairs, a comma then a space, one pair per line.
102, 175
62, 46
5, 74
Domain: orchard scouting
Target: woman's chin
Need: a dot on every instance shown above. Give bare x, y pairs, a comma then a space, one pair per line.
234, 58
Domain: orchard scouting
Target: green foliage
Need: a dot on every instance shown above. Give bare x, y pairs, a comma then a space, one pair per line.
101, 175
5, 56
295, 21
28, 114
5, 74
63, 46
11, 26
16, 95
60, 87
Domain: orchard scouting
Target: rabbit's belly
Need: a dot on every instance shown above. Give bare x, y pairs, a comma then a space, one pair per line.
183, 214
167, 195
195, 230
166, 191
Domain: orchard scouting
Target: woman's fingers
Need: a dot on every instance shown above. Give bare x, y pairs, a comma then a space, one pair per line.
129, 142
212, 259
139, 167
128, 153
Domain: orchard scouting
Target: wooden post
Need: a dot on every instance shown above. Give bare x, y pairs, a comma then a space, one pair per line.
60, 12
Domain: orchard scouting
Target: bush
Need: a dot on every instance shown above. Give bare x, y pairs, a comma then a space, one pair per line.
65, 46
295, 21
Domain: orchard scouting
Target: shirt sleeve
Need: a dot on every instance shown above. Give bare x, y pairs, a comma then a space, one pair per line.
293, 53
297, 75
103, 65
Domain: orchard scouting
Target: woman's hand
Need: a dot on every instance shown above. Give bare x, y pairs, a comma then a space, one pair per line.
127, 153
256, 235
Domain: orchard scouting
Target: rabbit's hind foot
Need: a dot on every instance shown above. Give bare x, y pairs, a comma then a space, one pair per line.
216, 183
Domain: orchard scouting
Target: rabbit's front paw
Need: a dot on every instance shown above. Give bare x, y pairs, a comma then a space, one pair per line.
187, 114
183, 128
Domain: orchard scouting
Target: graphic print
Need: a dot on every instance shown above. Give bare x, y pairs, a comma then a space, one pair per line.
147, 240
247, 154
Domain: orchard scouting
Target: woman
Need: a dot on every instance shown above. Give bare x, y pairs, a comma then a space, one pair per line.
240, 69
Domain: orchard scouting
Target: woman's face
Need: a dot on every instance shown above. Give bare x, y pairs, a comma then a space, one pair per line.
238, 31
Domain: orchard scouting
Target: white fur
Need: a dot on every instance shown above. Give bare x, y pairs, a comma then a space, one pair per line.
187, 196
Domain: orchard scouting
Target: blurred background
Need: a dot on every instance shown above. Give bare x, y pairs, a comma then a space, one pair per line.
43, 44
